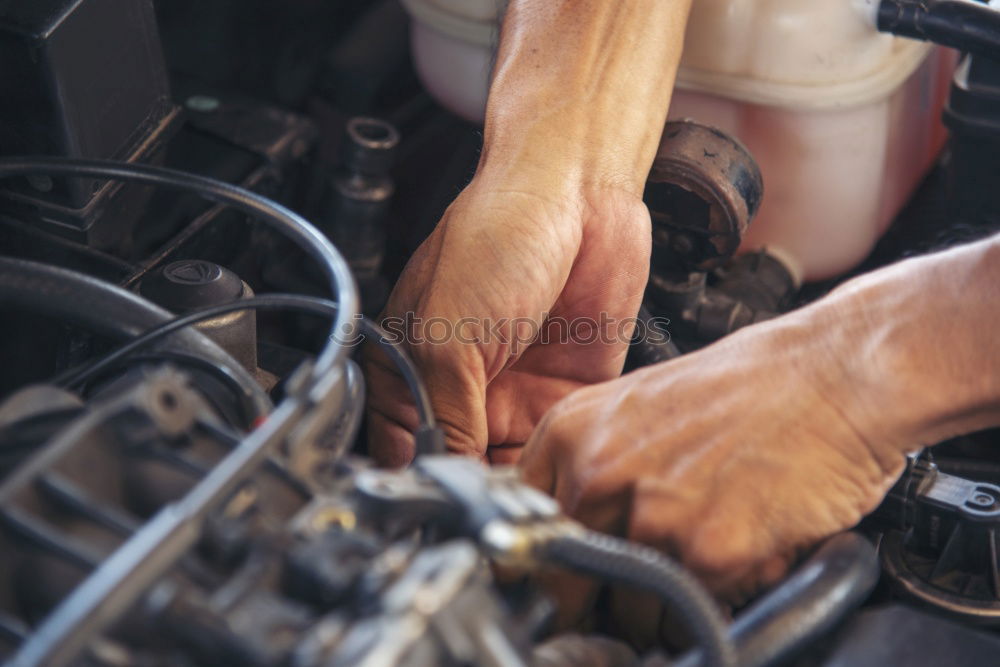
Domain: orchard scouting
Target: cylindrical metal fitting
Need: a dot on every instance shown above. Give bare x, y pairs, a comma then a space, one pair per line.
191, 284
361, 192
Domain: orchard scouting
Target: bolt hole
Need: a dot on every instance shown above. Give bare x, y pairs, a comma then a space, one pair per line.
373, 132
168, 401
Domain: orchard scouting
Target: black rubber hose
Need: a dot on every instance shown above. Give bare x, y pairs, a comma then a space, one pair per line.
111, 311
961, 24
429, 438
276, 216
649, 570
804, 608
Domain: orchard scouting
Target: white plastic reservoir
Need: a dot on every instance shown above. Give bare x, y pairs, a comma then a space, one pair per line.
844, 121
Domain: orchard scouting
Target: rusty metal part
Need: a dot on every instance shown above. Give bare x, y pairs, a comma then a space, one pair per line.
702, 192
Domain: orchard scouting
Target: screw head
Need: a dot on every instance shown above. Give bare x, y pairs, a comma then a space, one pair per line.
983, 499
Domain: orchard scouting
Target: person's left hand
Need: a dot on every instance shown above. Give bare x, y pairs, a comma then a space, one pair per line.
530, 294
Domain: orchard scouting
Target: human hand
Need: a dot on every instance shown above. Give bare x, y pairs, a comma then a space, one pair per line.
503, 266
732, 459
552, 224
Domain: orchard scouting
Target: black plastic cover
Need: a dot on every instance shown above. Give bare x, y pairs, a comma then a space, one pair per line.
898, 635
190, 284
80, 78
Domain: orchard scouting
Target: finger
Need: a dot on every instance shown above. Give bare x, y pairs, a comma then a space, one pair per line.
392, 415
456, 382
391, 445
517, 401
508, 454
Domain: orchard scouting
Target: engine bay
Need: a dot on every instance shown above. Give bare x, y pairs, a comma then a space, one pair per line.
215, 200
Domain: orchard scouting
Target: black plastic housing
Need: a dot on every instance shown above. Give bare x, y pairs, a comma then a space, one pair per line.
973, 116
80, 78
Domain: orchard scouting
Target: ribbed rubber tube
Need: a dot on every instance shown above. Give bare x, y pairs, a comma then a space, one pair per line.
649, 570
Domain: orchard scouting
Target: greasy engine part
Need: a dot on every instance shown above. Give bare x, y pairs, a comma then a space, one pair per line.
190, 284
702, 193
518, 525
92, 494
110, 311
68, 94
973, 117
898, 635
360, 195
272, 570
90, 489
942, 548
805, 607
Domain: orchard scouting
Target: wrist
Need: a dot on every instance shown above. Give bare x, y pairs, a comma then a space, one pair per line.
556, 202
559, 149
916, 342
580, 91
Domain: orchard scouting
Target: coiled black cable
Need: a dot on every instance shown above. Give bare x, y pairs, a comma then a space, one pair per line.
647, 569
280, 218
111, 311
116, 584
428, 436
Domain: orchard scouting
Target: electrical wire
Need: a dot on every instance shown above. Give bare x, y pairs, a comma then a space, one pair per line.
110, 311
280, 218
308, 304
115, 585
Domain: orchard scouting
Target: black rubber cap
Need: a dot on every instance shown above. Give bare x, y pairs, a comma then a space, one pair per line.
191, 284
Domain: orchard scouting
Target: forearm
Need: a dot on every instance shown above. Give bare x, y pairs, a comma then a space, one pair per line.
922, 339
581, 90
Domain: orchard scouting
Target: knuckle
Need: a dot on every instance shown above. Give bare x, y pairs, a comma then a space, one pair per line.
553, 423
717, 550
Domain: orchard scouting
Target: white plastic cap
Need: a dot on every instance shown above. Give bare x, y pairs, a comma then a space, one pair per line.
869, 9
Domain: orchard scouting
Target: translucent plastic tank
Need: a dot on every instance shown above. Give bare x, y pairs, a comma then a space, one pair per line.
844, 121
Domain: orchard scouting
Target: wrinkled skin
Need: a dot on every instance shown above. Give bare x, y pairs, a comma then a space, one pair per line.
508, 254
732, 459
736, 458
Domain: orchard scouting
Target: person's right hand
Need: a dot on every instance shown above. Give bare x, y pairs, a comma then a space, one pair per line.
504, 265
732, 459
735, 458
